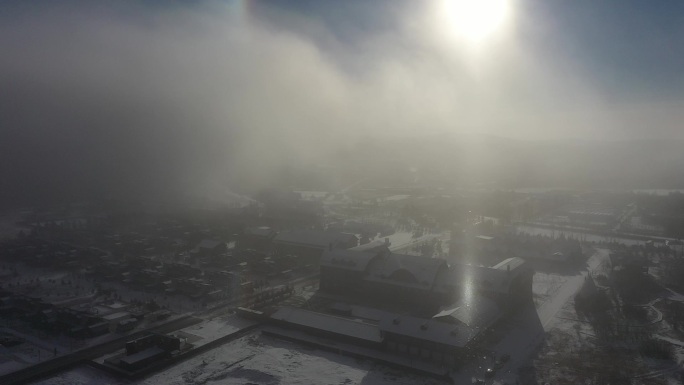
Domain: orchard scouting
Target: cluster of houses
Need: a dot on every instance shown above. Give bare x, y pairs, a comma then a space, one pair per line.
207, 272
169, 278
211, 271
48, 254
78, 319
308, 245
414, 306
215, 272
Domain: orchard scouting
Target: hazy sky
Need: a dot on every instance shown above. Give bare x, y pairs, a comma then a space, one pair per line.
190, 90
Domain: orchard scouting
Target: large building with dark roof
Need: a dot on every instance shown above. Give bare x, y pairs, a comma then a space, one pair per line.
325, 325
427, 339
421, 283
416, 307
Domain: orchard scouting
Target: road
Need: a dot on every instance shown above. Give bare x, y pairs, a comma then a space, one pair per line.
548, 310
530, 325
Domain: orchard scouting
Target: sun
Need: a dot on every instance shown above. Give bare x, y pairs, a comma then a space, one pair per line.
475, 20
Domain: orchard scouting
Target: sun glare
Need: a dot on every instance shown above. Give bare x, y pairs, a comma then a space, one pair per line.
475, 20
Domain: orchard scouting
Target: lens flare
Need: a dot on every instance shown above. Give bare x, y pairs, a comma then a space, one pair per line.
475, 20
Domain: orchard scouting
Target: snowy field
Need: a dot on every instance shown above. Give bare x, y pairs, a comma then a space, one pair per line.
211, 330
257, 359
546, 285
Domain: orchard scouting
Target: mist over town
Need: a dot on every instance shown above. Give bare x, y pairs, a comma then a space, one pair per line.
386, 192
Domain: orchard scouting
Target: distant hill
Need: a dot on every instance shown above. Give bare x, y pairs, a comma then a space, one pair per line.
486, 160
36, 176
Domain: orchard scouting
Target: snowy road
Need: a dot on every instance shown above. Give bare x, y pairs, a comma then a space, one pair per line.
548, 310
265, 360
258, 359
530, 326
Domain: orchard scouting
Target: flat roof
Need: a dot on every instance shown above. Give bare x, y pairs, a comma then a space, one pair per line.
143, 355
514, 263
116, 316
438, 332
329, 323
476, 312
483, 278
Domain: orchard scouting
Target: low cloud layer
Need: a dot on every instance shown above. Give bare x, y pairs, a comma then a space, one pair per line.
136, 101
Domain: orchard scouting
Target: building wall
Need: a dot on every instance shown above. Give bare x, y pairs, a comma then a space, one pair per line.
418, 299
326, 334
521, 287
423, 350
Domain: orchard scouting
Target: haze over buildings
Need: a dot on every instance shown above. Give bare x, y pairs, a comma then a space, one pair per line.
271, 191
190, 98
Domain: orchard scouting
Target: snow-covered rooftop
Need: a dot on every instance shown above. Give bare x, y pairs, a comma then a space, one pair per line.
143, 355
435, 331
329, 323
476, 312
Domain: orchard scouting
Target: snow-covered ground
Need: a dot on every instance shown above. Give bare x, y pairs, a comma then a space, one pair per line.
33, 349
61, 288
526, 332
566, 349
545, 285
60, 285
265, 360
565, 291
257, 359
23, 355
